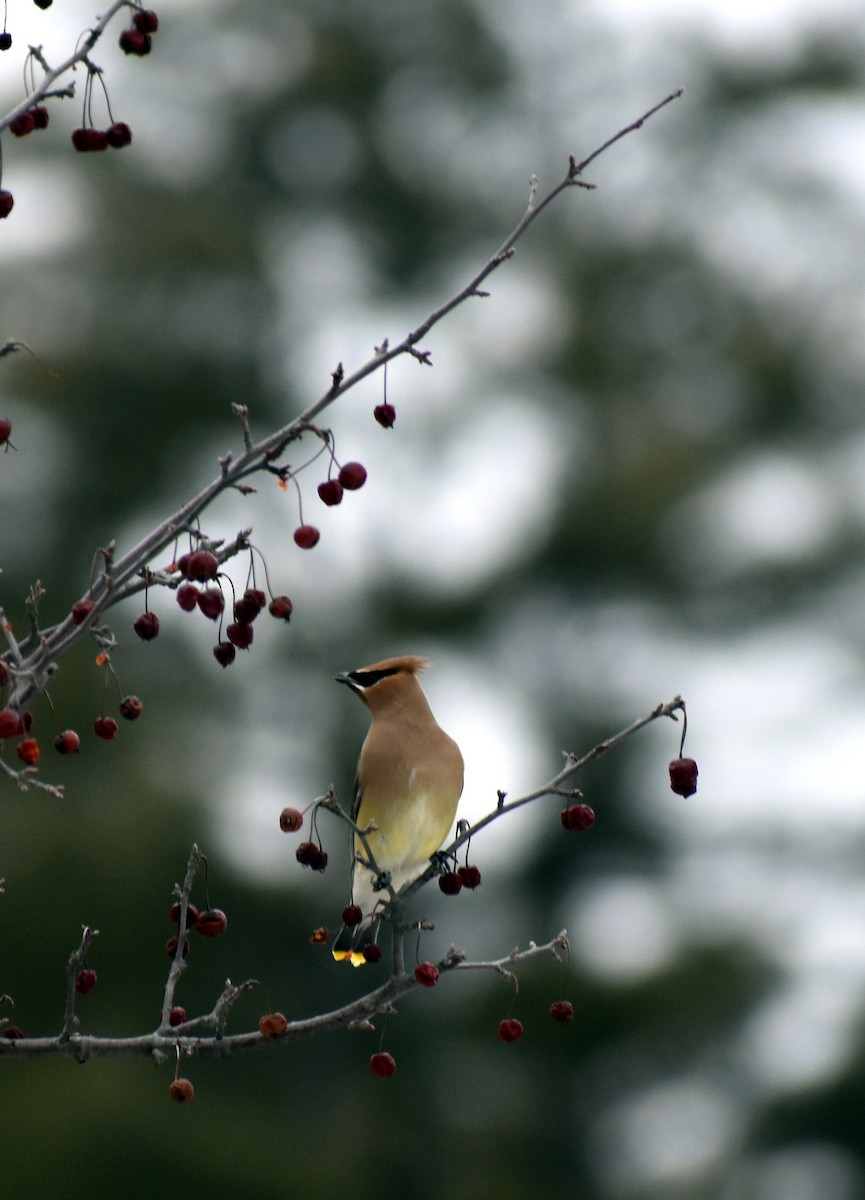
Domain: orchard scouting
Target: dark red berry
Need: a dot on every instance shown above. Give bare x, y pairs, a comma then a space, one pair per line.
272, 1025
470, 876
577, 818
133, 41
85, 981
171, 947
43, 3
683, 776
81, 610
306, 536
371, 952
118, 135
87, 140
67, 742
181, 1090
211, 602
146, 20
352, 915
385, 414
13, 1033
382, 1064
177, 1016
6, 205
98, 139
40, 116
200, 566
187, 596
240, 634
23, 124
181, 564
562, 1012
427, 974
5, 40
27, 720
352, 476
131, 708
330, 492
224, 653
5, 423
255, 596
211, 923
174, 914
290, 820
281, 608
245, 611
510, 1030
4, 674
10, 724
105, 728
147, 626
307, 854
28, 751
450, 883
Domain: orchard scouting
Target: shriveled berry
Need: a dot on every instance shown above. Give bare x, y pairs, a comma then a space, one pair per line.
181, 1090
131, 708
85, 981
174, 914
470, 875
224, 653
330, 492
577, 818
147, 626
146, 20
562, 1012
105, 728
281, 608
371, 952
510, 1030
5, 40
255, 596
211, 923
272, 1025
320, 936
27, 720
382, 1064
290, 820
67, 742
450, 883
306, 536
177, 1016
6, 204
352, 476
10, 723
683, 776
352, 915
133, 41
427, 974
23, 124
240, 634
308, 854
385, 414
187, 596
41, 116
118, 135
81, 610
211, 602
28, 751
200, 566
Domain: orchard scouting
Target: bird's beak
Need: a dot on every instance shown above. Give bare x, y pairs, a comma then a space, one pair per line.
344, 677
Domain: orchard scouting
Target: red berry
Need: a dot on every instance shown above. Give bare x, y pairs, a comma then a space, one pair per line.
12, 1032
450, 883
427, 974
385, 414
562, 1012
352, 476
290, 820
5, 423
27, 720
352, 915
105, 728
272, 1025
470, 876
181, 1090
81, 610
510, 1030
306, 536
382, 1064
330, 492
40, 116
255, 596
177, 1016
67, 742
87, 140
280, 607
131, 708
187, 596
85, 981
371, 952
10, 724
211, 923
5, 40
6, 204
224, 653
133, 41
28, 751
118, 135
23, 124
245, 611
200, 566
171, 947
309, 854
683, 776
147, 626
240, 634
577, 818
174, 914
181, 564
146, 20
211, 602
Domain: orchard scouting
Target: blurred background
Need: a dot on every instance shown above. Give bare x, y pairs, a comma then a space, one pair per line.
636, 470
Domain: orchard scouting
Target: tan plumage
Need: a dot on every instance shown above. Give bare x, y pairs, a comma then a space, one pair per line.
409, 780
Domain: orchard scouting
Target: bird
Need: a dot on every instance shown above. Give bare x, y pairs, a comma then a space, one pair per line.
408, 785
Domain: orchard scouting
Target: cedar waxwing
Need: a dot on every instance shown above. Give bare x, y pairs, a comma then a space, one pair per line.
409, 780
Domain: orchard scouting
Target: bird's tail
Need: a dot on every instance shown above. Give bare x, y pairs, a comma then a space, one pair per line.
352, 940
